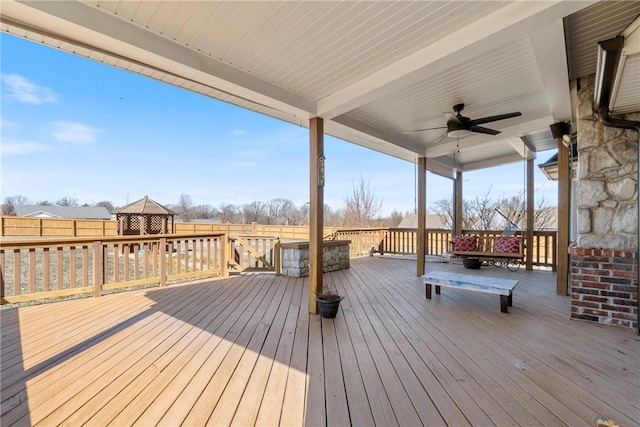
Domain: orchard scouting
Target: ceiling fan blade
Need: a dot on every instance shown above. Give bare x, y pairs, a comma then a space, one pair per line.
422, 130
480, 129
438, 139
451, 117
495, 118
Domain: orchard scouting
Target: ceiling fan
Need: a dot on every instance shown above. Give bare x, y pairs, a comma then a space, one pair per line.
459, 126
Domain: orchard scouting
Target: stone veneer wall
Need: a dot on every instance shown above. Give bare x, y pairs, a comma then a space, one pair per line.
295, 257
603, 269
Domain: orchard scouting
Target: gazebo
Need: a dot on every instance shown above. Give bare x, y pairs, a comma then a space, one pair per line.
144, 216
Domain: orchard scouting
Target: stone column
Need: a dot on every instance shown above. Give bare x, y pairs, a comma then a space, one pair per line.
603, 263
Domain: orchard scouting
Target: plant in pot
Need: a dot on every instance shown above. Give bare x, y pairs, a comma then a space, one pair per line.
329, 301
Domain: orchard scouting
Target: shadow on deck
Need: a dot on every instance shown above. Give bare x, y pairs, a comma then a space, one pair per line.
244, 351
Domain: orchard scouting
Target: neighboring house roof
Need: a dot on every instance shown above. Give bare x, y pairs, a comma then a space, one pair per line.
79, 212
145, 206
431, 221
550, 167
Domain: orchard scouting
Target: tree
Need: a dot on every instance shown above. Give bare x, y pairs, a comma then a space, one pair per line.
8, 208
67, 201
481, 211
487, 213
184, 208
280, 211
229, 213
255, 212
362, 206
204, 212
393, 220
10, 203
106, 204
19, 200
44, 203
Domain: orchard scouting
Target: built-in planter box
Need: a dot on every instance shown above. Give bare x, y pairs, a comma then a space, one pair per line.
295, 257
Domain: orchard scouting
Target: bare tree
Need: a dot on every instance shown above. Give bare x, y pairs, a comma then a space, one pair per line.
515, 207
362, 206
393, 220
10, 203
204, 211
444, 208
280, 211
19, 200
486, 213
255, 212
8, 208
184, 208
229, 213
481, 211
67, 201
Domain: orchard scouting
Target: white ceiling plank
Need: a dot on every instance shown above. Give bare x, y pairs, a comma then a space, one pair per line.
377, 133
493, 162
529, 150
550, 52
523, 147
89, 26
483, 35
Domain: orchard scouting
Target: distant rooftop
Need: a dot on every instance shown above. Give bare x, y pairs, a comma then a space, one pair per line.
54, 211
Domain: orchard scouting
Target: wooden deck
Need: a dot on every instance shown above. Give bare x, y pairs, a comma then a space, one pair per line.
244, 351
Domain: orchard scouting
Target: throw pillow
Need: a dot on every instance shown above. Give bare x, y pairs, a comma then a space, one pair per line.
465, 243
507, 245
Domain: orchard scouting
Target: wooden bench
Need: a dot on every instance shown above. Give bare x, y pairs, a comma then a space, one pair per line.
486, 245
490, 285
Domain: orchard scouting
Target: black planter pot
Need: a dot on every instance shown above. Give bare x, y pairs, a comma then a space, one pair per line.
328, 307
473, 263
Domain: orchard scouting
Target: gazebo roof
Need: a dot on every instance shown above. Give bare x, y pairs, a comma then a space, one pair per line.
145, 206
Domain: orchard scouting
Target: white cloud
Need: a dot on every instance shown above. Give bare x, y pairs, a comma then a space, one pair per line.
20, 89
239, 132
76, 133
6, 123
20, 147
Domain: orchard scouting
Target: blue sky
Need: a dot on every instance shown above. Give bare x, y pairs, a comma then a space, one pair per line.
74, 127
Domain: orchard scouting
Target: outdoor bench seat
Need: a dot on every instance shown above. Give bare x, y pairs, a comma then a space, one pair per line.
485, 250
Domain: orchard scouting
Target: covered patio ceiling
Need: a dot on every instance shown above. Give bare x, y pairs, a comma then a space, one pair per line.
372, 70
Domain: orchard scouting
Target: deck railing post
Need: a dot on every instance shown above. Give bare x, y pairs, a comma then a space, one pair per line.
277, 258
162, 249
97, 268
225, 248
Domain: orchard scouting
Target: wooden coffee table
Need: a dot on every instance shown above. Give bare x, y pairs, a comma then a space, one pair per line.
486, 284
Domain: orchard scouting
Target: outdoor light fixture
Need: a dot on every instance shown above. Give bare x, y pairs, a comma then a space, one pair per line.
458, 133
456, 130
560, 129
568, 139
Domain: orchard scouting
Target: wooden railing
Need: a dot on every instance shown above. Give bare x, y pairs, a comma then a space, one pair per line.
362, 240
404, 241
51, 268
248, 252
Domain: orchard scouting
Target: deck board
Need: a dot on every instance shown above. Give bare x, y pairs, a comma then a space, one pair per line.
244, 351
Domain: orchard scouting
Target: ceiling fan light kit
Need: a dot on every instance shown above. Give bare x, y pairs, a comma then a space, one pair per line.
459, 126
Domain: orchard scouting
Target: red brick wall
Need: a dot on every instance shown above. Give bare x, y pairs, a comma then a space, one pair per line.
604, 286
